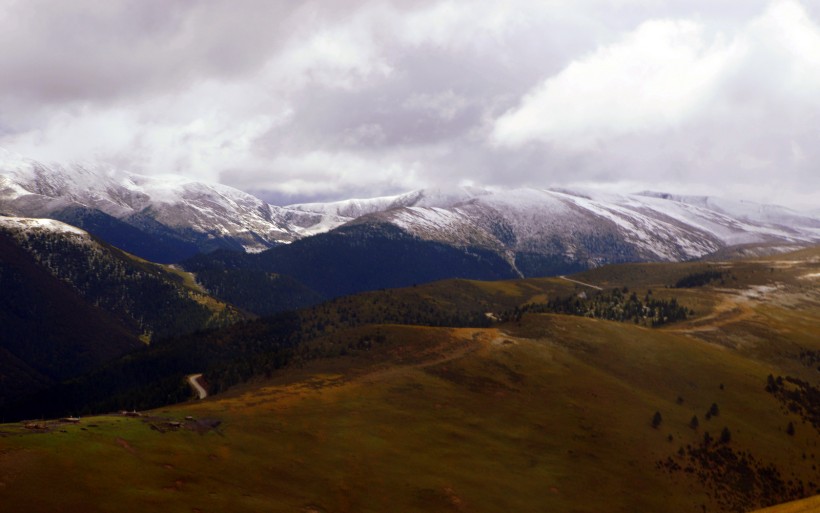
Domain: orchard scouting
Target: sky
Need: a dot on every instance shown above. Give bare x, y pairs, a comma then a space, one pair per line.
321, 100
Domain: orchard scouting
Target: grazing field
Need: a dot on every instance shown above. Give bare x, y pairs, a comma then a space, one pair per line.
549, 412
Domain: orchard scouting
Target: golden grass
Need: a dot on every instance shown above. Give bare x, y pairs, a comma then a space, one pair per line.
549, 415
810, 505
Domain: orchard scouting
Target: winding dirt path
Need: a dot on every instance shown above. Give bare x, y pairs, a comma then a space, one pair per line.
193, 381
581, 283
732, 309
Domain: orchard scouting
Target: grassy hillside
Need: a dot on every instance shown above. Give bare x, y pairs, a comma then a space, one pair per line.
545, 413
809, 505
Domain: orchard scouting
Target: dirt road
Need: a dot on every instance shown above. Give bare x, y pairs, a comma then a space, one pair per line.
581, 283
200, 392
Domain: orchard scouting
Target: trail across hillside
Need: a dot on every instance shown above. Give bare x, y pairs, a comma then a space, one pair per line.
200, 392
581, 283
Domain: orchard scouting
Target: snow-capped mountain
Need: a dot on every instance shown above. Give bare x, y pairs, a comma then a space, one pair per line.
532, 226
204, 216
486, 234
354, 208
537, 231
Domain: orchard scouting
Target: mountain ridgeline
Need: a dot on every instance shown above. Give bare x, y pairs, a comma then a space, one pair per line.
163, 219
493, 235
536, 231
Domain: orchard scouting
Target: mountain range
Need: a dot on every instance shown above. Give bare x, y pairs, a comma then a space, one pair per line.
266, 258
170, 218
163, 219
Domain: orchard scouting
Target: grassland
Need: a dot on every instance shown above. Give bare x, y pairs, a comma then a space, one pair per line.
552, 413
809, 505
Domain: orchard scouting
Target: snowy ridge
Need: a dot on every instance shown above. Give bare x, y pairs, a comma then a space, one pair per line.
32, 189
355, 208
596, 228
747, 211
589, 227
24, 224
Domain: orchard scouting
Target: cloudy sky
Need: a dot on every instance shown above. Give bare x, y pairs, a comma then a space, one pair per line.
316, 100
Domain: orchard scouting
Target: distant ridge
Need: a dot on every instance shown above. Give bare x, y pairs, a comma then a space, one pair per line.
536, 231
162, 218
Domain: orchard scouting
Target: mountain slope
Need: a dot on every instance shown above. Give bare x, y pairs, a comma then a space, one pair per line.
148, 298
50, 332
809, 505
71, 303
595, 229
545, 412
482, 234
177, 217
353, 258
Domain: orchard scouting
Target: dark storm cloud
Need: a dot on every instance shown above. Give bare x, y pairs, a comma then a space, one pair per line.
324, 100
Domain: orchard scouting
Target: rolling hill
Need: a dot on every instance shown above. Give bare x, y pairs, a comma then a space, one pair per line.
373, 411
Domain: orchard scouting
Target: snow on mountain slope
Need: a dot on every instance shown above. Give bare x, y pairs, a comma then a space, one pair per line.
192, 210
750, 212
354, 208
28, 225
597, 228
522, 225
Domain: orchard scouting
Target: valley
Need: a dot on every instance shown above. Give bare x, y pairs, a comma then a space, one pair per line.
545, 411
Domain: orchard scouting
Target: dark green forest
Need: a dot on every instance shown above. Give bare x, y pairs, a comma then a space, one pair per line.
616, 305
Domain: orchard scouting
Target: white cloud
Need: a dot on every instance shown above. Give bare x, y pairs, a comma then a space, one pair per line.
343, 56
654, 78
319, 173
783, 51
178, 133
